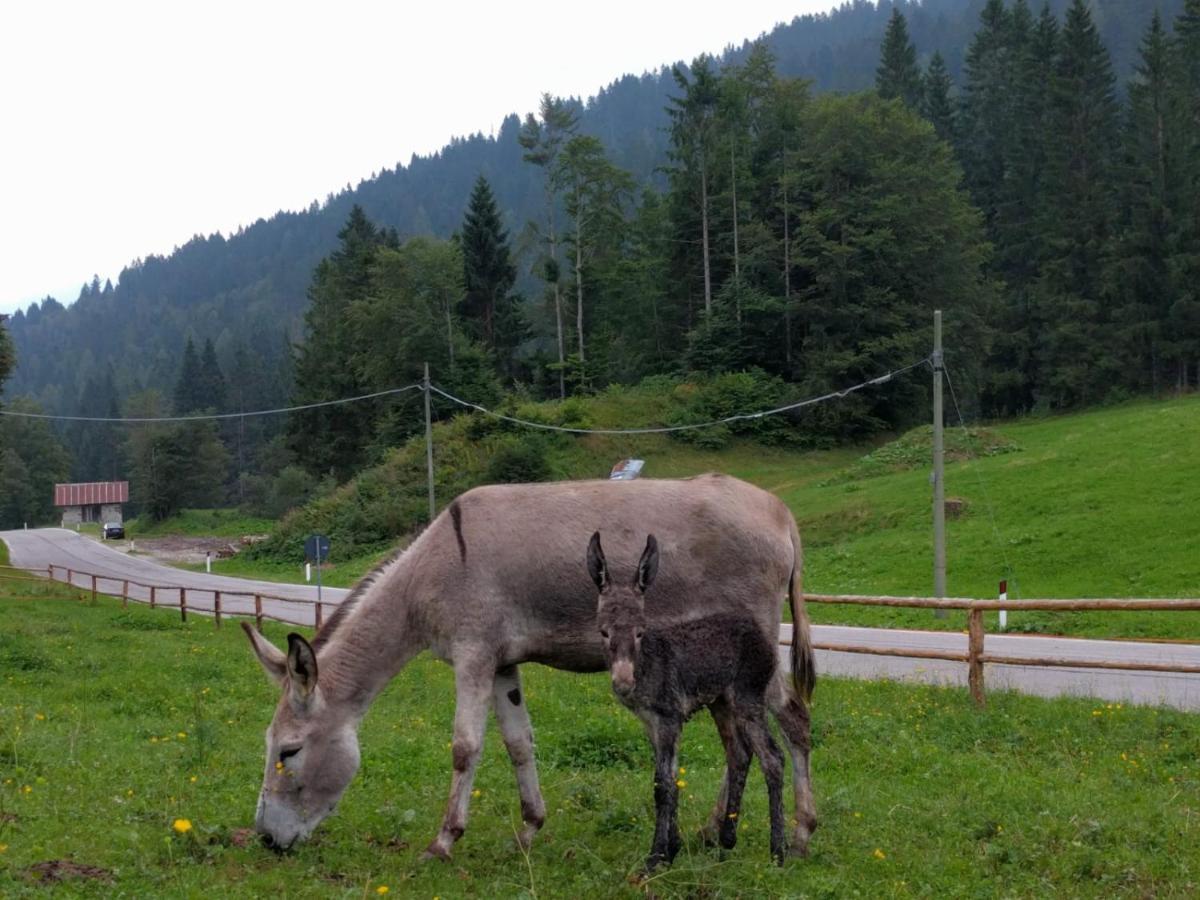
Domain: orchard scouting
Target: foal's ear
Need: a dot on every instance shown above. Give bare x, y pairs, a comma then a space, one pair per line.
301, 667
273, 661
647, 566
597, 565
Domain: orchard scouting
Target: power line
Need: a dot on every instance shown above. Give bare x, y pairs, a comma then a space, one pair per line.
666, 429
201, 418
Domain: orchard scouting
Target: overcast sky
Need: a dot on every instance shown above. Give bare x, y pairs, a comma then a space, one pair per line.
129, 127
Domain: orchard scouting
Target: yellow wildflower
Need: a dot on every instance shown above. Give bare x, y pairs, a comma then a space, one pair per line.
192, 779
382, 889
879, 854
183, 826
181, 734
3, 847
278, 767
682, 770
27, 789
680, 783
477, 793
41, 717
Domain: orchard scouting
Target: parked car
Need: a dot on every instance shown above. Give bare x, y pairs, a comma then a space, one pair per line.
112, 531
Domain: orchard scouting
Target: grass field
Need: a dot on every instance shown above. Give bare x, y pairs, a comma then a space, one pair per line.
1098, 504
115, 724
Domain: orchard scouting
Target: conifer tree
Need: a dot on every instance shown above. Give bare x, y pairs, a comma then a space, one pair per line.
488, 305
898, 74
542, 138
211, 387
1184, 316
1076, 343
937, 105
985, 121
188, 398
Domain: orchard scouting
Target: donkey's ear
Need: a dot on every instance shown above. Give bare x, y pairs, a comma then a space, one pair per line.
597, 565
301, 667
273, 661
647, 566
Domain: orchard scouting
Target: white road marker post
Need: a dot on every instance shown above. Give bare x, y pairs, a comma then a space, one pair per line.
208, 561
307, 572
1003, 597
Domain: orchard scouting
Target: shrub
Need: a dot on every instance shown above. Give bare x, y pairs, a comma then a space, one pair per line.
515, 460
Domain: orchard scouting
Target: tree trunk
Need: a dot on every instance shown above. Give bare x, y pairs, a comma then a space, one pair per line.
737, 257
562, 380
450, 337
579, 214
704, 235
787, 282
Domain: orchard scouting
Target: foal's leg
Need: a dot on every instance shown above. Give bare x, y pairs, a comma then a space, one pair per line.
770, 758
737, 759
513, 719
473, 690
666, 843
793, 719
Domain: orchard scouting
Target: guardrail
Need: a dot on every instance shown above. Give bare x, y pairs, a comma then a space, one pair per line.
975, 657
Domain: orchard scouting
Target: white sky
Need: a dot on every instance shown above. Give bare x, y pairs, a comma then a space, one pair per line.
128, 127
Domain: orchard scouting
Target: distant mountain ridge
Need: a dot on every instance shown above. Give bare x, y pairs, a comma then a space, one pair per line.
251, 286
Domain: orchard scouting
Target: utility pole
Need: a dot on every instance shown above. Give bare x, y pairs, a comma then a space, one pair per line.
429, 445
939, 472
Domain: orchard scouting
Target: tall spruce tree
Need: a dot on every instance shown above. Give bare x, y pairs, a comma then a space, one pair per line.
1075, 345
542, 138
188, 384
334, 439
986, 113
489, 308
937, 104
211, 388
898, 74
1184, 316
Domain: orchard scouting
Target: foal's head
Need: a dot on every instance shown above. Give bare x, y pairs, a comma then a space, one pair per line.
621, 610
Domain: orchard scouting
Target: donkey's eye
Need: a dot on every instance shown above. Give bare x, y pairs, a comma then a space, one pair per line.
604, 633
638, 634
285, 755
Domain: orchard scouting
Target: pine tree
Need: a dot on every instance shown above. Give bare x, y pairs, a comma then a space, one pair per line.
1076, 345
211, 386
488, 305
898, 74
188, 396
542, 139
985, 121
937, 105
1184, 316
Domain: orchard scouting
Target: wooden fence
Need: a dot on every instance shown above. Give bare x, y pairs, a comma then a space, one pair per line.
975, 657
176, 597
167, 596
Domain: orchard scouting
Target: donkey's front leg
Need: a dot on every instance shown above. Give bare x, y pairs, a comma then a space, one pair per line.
666, 794
473, 680
513, 718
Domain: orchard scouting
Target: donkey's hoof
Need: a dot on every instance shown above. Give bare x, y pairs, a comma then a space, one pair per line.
436, 851
797, 850
709, 835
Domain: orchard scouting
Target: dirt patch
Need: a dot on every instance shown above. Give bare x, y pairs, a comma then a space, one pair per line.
56, 870
242, 837
184, 548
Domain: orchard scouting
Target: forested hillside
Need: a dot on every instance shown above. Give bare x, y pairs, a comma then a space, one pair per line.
734, 220
252, 284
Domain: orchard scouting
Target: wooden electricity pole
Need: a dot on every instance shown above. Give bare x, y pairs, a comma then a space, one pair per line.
939, 486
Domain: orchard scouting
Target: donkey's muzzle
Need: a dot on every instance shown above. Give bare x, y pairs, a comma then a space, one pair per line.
622, 676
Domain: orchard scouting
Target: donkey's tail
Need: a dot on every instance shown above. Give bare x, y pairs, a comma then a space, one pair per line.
804, 669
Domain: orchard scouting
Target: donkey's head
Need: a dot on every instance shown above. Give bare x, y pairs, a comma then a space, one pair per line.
621, 610
312, 746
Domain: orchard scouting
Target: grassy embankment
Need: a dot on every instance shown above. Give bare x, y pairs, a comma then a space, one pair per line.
1097, 504
114, 724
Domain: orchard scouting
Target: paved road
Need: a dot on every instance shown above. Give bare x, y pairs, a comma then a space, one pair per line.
39, 548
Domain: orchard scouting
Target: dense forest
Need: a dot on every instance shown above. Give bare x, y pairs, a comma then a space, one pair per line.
721, 216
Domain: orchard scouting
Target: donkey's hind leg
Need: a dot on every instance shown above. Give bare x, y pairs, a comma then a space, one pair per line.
793, 718
473, 678
513, 719
737, 761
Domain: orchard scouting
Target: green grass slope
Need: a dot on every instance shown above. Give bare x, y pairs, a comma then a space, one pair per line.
114, 724
1098, 504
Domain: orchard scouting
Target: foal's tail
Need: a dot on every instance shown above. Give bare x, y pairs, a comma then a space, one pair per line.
804, 669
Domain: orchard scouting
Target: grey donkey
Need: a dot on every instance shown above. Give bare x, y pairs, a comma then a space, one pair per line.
495, 582
665, 674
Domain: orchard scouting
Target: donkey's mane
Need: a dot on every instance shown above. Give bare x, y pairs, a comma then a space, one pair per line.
346, 607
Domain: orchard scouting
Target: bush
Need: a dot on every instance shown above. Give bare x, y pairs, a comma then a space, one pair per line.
517, 460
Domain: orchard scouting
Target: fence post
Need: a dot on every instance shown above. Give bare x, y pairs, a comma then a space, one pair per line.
153, 589
974, 654
70, 578
320, 617
183, 604
93, 588
125, 594
217, 608
258, 617
50, 571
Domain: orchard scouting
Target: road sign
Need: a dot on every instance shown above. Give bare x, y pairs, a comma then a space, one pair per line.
316, 548
627, 470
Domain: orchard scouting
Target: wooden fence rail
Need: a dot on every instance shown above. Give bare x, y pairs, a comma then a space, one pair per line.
975, 656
